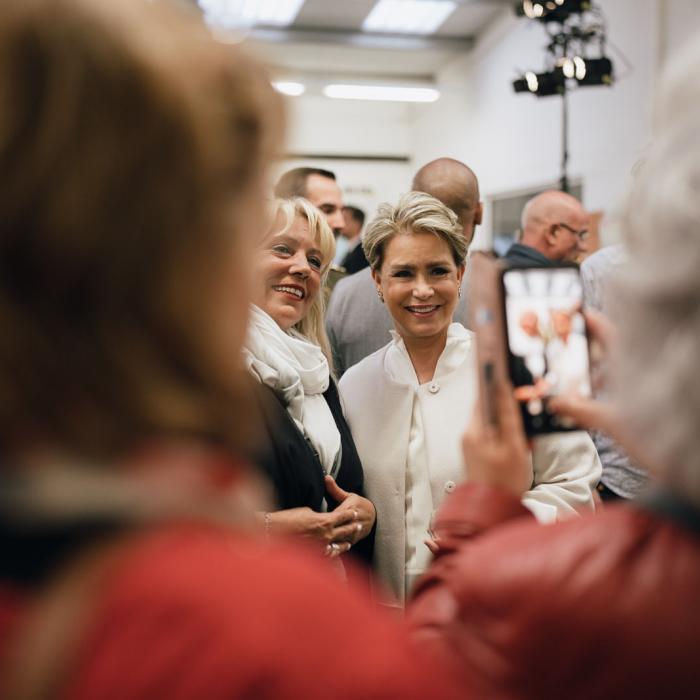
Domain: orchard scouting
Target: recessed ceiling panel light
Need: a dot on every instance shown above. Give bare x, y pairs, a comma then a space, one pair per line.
408, 16
287, 87
381, 92
246, 13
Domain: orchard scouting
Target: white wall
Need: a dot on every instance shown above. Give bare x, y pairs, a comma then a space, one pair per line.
343, 131
513, 141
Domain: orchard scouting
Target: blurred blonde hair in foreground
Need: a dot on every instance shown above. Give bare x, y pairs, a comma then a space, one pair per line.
658, 296
132, 157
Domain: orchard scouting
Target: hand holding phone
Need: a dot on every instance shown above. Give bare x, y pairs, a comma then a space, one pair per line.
529, 330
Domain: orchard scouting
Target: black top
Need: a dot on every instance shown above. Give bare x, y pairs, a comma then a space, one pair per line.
524, 256
291, 464
355, 260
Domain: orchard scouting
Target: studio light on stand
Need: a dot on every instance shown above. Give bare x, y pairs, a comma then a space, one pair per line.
575, 55
551, 10
541, 84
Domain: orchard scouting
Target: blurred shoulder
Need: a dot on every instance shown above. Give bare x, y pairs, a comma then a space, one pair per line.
196, 611
369, 370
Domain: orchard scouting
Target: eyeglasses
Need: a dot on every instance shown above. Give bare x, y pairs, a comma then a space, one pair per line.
582, 235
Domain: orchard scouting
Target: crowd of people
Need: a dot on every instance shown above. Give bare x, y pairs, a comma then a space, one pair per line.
212, 487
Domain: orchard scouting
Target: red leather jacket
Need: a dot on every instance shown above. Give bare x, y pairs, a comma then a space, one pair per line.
604, 606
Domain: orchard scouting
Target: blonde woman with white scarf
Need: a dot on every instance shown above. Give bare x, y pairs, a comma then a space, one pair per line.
310, 457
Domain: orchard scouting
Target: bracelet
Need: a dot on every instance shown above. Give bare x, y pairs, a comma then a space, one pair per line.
267, 520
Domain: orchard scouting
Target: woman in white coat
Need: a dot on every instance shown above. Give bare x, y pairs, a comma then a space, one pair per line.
408, 403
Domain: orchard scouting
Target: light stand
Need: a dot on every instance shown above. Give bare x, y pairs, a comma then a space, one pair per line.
576, 29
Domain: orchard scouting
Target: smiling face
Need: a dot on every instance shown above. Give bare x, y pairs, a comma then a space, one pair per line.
419, 280
288, 274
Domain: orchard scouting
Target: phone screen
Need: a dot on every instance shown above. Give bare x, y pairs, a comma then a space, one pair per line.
547, 342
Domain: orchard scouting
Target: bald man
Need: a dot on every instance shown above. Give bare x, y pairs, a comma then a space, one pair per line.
456, 186
357, 322
555, 227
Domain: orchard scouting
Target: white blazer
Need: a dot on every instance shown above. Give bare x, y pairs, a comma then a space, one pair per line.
379, 411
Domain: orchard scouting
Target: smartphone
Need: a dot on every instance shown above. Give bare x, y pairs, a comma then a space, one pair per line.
547, 344
486, 320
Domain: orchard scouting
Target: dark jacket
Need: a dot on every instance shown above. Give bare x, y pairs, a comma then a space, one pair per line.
355, 260
602, 606
520, 255
293, 468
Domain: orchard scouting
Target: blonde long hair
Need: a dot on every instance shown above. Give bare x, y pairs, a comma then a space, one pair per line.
312, 326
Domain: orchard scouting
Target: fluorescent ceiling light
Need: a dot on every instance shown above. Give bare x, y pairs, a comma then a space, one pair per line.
381, 92
287, 87
247, 13
408, 16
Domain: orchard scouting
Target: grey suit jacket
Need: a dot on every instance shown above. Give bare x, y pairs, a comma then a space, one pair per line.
358, 323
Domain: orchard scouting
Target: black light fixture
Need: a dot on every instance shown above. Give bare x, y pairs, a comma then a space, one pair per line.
596, 71
575, 55
551, 10
541, 84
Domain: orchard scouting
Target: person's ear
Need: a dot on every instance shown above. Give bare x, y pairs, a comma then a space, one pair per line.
377, 277
479, 214
460, 272
551, 234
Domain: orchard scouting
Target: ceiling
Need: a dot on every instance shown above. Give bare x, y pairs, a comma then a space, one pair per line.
327, 38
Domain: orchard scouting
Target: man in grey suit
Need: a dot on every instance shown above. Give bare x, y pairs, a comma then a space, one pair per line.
356, 321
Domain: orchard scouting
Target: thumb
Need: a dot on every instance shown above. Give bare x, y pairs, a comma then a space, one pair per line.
334, 491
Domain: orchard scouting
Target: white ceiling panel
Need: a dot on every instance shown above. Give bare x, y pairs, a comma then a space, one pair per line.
327, 37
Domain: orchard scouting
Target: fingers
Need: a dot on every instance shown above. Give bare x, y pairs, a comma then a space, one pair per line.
432, 545
334, 491
587, 413
348, 533
341, 516
335, 549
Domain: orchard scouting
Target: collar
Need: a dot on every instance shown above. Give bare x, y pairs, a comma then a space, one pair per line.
399, 367
525, 253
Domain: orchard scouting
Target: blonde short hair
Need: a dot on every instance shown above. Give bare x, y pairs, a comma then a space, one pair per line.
312, 326
416, 212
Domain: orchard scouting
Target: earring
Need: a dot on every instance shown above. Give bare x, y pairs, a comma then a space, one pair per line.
459, 292
380, 295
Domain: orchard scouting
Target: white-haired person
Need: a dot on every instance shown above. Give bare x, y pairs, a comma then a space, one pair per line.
310, 457
408, 403
598, 607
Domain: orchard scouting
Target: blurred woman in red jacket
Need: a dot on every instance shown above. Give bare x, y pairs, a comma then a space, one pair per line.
603, 606
133, 154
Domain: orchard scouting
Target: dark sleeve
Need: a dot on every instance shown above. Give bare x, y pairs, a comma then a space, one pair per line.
355, 260
285, 457
331, 313
351, 476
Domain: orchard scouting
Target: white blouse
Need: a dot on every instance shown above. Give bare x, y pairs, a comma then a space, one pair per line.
420, 503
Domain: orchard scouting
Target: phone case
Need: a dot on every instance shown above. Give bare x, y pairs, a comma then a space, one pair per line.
486, 319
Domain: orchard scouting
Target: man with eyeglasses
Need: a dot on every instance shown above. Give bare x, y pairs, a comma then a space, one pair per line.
554, 230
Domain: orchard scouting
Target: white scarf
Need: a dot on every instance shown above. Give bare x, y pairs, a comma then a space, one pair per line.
297, 371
